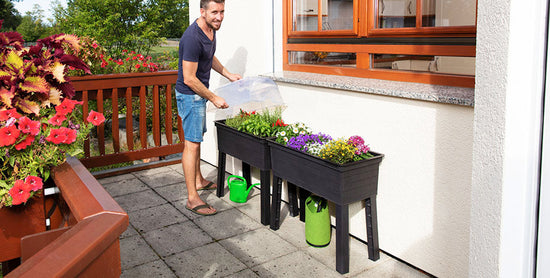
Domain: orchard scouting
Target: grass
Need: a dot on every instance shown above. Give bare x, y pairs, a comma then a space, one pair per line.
162, 49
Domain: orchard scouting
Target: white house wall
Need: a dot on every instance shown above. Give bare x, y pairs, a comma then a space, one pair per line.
425, 178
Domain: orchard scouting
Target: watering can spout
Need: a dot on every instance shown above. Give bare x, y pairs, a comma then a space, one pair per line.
248, 190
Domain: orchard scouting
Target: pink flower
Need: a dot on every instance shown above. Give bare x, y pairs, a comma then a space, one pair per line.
20, 192
66, 106
138, 66
34, 182
25, 143
57, 120
8, 135
57, 136
95, 118
7, 114
70, 135
27, 125
94, 45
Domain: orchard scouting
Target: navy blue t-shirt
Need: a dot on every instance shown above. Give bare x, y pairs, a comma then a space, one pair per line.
195, 46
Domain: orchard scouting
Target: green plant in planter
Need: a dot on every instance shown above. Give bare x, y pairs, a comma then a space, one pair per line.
265, 124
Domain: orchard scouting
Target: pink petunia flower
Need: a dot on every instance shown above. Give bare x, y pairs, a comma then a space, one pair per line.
7, 114
25, 143
34, 182
57, 136
70, 135
66, 106
27, 125
95, 118
20, 192
8, 135
57, 120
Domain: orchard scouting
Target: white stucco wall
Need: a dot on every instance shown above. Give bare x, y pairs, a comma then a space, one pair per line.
509, 81
425, 178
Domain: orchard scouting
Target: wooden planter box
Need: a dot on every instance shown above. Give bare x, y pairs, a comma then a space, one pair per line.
340, 184
252, 151
87, 241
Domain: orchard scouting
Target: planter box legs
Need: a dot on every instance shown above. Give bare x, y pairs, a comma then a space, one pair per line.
221, 174
264, 190
342, 222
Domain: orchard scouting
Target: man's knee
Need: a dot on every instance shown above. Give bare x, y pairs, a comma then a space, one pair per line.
192, 146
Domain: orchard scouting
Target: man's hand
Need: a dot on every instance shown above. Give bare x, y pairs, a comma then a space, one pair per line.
219, 102
233, 77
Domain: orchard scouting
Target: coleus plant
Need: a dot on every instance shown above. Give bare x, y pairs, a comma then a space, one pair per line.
34, 77
40, 123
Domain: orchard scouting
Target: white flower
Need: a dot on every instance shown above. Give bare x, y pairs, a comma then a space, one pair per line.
282, 133
285, 139
302, 132
295, 130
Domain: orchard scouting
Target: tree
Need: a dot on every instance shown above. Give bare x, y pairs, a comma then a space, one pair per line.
10, 15
32, 27
121, 24
175, 17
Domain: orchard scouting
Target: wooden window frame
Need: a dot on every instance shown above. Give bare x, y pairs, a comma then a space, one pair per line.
363, 51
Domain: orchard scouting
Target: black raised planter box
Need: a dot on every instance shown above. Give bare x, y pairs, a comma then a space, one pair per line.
340, 184
252, 151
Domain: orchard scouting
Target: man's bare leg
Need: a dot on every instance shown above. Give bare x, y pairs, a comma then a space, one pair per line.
190, 157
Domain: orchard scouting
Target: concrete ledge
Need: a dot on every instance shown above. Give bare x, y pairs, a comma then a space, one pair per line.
434, 93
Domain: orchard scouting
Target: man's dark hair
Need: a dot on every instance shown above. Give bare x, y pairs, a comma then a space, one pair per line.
204, 3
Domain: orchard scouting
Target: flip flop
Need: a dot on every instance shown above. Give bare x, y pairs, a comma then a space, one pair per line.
196, 210
207, 187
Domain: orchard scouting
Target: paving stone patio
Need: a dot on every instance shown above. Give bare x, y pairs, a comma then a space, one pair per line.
166, 240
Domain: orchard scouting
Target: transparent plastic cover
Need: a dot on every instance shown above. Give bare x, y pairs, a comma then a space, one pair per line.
249, 94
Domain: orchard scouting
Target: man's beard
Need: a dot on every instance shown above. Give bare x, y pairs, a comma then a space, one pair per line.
213, 26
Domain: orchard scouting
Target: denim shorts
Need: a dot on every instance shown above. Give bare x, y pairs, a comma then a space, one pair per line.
192, 110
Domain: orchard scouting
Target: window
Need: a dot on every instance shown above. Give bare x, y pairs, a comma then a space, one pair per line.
429, 41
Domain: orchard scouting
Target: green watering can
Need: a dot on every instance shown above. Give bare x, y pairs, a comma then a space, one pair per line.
238, 191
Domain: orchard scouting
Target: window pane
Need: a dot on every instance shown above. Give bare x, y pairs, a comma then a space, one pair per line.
438, 13
396, 13
432, 64
305, 15
339, 14
337, 59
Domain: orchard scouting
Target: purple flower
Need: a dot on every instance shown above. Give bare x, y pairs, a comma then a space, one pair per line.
303, 141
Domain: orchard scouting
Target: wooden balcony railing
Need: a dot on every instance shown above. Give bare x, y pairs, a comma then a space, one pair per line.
145, 101
86, 244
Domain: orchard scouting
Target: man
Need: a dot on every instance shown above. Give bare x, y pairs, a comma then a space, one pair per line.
196, 59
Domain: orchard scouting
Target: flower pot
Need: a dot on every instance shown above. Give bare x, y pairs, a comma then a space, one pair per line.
17, 222
253, 151
246, 147
340, 184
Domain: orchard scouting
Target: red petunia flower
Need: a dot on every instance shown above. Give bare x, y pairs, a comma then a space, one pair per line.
94, 45
20, 192
66, 106
57, 136
34, 182
25, 143
8, 135
7, 114
70, 134
138, 66
27, 125
57, 119
95, 118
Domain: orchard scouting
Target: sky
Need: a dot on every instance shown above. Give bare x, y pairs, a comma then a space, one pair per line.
26, 5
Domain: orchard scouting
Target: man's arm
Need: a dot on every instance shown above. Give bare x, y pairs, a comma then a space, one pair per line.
218, 67
190, 79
